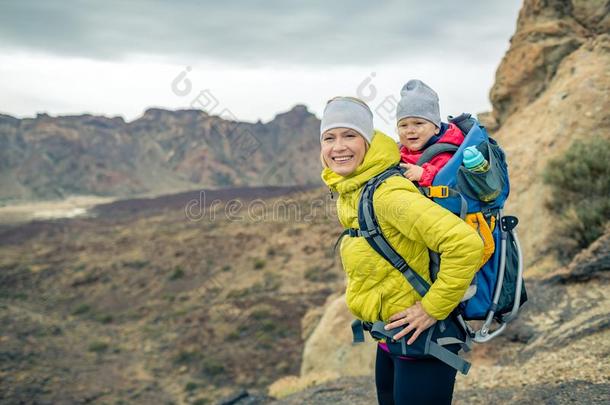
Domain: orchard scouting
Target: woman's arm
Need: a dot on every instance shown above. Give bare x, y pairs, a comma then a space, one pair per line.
421, 220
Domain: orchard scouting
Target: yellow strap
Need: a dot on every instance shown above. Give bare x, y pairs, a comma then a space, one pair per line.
477, 221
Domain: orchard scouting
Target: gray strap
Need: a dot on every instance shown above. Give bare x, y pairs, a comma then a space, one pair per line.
345, 232
449, 358
378, 331
434, 150
463, 203
431, 348
357, 331
417, 282
444, 341
467, 346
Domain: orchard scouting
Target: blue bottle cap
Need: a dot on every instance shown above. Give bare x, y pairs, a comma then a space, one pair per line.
472, 157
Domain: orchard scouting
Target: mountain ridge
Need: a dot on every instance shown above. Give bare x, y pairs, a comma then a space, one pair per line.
160, 152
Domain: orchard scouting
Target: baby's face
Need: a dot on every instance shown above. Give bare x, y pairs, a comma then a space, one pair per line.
415, 132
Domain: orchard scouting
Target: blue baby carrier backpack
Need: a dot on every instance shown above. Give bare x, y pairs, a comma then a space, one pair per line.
499, 283
497, 291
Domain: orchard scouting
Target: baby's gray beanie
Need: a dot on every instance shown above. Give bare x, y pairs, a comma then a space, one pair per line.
417, 99
346, 112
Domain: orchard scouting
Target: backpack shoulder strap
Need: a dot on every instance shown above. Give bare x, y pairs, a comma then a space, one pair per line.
464, 122
434, 150
370, 230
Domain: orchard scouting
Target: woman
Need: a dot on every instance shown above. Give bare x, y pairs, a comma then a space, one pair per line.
352, 153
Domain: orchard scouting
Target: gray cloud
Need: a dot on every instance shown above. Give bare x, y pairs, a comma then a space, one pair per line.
256, 32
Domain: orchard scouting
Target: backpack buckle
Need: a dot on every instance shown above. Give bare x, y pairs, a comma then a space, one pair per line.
353, 232
438, 192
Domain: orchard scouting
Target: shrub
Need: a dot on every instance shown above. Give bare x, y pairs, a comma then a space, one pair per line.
212, 367
259, 264
98, 347
319, 274
580, 186
186, 357
190, 386
105, 318
80, 267
260, 313
177, 274
239, 293
136, 264
271, 282
234, 335
81, 309
222, 179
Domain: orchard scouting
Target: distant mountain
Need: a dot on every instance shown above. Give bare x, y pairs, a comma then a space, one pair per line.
161, 152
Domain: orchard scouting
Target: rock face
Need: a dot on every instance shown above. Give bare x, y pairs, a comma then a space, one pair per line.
552, 87
590, 264
160, 152
328, 348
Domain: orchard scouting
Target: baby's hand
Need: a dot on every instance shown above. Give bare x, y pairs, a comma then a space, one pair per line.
414, 172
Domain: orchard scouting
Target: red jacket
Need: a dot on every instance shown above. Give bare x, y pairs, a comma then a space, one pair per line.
452, 135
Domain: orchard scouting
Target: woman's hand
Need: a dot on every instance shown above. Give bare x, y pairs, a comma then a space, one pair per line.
414, 172
415, 318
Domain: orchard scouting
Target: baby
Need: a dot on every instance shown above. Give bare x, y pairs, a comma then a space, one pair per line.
419, 126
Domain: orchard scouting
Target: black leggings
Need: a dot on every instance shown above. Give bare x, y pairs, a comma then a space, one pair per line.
402, 382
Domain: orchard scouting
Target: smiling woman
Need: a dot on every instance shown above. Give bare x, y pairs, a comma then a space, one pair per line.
355, 154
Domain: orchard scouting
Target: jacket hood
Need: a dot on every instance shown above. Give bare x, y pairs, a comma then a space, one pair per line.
382, 154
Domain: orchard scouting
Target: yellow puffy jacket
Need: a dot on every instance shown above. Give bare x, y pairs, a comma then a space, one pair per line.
412, 223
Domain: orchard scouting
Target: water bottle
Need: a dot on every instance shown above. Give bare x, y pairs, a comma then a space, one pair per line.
474, 160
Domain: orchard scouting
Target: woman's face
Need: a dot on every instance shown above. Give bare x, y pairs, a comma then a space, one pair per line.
343, 150
414, 132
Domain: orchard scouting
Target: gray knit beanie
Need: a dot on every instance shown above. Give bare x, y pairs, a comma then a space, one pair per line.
348, 112
417, 99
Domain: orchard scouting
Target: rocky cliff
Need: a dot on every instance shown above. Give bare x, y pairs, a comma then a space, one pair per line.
161, 152
552, 87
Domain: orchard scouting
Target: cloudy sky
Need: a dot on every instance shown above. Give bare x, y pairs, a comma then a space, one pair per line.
247, 59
